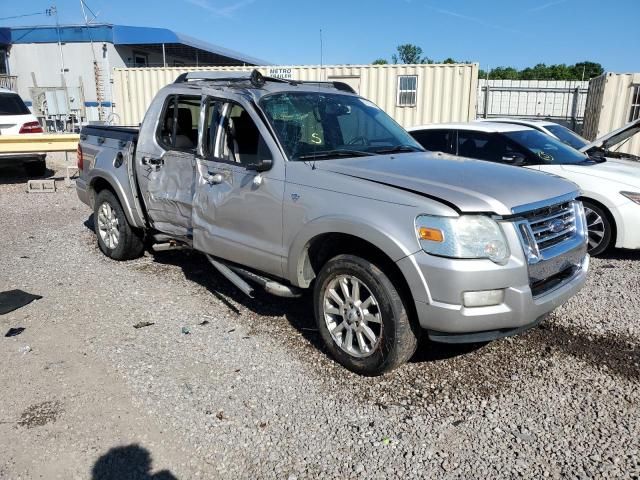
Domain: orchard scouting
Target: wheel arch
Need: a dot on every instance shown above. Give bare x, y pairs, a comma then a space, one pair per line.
102, 181
325, 246
351, 231
608, 211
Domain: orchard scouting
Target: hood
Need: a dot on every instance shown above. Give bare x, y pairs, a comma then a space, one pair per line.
465, 184
621, 171
611, 139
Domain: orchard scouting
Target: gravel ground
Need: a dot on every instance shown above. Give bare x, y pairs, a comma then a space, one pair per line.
249, 392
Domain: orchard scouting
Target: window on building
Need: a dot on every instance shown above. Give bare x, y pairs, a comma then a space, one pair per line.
3, 61
634, 112
407, 90
140, 59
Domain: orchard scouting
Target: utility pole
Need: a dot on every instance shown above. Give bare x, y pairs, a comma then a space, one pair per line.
97, 70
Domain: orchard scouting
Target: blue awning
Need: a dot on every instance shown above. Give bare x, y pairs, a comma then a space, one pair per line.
119, 35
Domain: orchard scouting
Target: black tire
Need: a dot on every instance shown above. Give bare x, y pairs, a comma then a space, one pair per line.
398, 337
36, 169
599, 224
130, 241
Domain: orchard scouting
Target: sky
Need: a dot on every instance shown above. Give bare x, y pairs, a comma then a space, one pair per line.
516, 33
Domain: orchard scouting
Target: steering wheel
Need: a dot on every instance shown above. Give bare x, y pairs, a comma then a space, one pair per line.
360, 140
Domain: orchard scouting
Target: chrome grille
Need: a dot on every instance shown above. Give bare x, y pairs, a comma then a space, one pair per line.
552, 225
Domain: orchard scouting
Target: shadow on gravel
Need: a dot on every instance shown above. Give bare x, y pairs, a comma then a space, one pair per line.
618, 354
197, 269
131, 462
89, 223
16, 174
297, 311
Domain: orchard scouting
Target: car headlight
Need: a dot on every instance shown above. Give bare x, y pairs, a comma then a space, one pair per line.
467, 236
633, 196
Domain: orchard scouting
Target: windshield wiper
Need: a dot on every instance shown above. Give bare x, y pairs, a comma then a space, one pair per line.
398, 149
324, 154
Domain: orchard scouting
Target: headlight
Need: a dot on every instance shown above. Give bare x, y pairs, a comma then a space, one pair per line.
467, 236
633, 196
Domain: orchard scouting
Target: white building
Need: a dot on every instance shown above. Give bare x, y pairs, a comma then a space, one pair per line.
63, 71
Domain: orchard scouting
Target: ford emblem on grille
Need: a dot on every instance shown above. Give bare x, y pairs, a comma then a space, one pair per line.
556, 226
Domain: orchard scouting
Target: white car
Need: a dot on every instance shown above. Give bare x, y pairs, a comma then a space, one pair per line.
16, 119
610, 187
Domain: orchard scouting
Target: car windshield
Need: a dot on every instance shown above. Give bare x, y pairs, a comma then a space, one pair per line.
12, 104
547, 149
567, 136
319, 125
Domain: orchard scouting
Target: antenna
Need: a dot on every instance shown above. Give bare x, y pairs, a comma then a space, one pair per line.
97, 73
321, 72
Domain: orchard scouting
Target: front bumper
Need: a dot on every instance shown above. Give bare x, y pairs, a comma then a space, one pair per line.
437, 285
628, 224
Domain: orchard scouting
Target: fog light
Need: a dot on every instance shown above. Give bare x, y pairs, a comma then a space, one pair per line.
483, 298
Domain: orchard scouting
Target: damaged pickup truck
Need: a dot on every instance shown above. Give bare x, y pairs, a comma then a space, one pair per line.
291, 185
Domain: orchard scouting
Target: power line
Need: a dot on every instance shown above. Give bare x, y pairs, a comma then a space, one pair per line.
22, 16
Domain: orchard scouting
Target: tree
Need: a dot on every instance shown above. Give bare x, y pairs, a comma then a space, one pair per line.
449, 60
380, 61
587, 70
408, 53
542, 71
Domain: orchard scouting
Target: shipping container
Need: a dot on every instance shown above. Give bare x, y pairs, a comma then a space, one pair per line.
411, 94
612, 102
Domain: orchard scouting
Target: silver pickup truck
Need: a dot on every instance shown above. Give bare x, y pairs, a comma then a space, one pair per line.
289, 185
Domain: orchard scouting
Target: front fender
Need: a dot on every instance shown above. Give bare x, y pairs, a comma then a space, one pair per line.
134, 218
606, 201
395, 247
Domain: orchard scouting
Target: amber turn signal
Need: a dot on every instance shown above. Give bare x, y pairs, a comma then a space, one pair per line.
431, 234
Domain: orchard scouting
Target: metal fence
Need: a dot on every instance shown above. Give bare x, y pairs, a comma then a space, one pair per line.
9, 81
559, 101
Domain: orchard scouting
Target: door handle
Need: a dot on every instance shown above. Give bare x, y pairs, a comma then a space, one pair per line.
214, 179
156, 162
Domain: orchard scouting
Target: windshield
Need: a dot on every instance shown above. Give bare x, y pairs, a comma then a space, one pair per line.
319, 125
548, 150
12, 104
567, 136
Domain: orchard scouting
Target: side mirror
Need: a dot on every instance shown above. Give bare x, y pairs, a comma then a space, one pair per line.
514, 159
261, 166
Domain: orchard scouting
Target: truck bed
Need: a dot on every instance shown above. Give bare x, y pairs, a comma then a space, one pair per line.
126, 134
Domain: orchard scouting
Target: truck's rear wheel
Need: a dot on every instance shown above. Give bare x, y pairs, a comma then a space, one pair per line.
361, 316
116, 238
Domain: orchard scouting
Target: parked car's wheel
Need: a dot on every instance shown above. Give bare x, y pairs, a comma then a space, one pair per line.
362, 317
599, 227
36, 169
116, 238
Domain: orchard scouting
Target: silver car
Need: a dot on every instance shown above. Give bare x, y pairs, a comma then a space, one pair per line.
291, 185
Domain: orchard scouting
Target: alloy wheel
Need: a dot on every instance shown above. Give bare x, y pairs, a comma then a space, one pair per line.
596, 228
352, 315
108, 226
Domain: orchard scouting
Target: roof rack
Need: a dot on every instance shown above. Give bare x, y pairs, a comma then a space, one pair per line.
255, 77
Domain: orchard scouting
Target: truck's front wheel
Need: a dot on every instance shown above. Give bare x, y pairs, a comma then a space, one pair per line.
361, 316
116, 238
